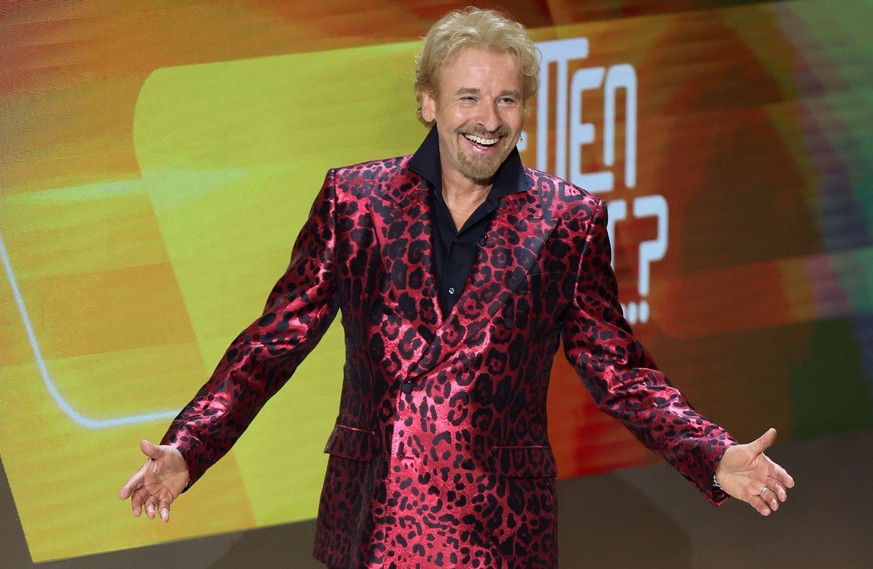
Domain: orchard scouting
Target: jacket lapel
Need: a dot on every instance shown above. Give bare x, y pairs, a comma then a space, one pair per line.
511, 246
402, 219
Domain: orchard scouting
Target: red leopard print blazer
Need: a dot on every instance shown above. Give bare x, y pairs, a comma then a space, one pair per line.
440, 455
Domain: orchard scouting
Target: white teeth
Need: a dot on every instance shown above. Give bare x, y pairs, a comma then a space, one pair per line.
482, 141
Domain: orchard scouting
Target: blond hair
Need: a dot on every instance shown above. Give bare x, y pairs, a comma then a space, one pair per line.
478, 29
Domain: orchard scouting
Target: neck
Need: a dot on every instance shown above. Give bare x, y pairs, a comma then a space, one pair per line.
463, 199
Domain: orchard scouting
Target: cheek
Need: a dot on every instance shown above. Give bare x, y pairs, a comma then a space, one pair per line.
515, 120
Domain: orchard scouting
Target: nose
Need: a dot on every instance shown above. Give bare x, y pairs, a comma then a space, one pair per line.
489, 116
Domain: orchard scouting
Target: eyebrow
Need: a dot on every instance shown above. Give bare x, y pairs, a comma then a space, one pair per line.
472, 91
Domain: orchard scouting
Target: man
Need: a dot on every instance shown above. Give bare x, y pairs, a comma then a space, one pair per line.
458, 272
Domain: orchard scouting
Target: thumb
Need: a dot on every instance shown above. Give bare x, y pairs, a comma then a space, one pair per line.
763, 442
150, 449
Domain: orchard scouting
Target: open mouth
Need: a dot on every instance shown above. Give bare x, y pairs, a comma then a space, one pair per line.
480, 141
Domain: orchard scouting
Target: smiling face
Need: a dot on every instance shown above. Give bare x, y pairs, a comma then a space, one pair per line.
479, 113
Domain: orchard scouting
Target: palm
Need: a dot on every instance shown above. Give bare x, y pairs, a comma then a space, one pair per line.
158, 482
746, 473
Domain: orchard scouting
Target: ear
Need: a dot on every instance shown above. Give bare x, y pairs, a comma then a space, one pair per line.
428, 107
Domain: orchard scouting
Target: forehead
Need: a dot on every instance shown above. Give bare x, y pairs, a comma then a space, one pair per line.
478, 68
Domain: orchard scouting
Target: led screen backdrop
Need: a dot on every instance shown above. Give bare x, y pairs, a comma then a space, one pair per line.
158, 158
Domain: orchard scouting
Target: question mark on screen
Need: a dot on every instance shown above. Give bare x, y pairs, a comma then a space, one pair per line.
650, 252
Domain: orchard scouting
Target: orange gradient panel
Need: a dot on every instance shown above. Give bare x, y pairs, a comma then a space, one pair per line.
158, 158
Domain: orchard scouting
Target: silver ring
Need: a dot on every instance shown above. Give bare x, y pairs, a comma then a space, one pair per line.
764, 489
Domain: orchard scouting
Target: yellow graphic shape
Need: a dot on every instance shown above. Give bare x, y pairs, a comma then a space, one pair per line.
232, 155
143, 283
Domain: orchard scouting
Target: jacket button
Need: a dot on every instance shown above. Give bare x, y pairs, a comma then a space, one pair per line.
406, 387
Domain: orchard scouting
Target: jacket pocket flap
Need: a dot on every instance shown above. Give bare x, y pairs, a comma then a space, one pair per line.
352, 443
530, 461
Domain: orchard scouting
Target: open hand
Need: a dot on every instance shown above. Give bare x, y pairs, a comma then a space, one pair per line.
746, 473
160, 481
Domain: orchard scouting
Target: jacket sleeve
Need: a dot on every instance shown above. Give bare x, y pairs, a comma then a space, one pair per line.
262, 358
623, 378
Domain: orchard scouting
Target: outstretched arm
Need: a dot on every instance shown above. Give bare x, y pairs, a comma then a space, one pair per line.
160, 481
746, 473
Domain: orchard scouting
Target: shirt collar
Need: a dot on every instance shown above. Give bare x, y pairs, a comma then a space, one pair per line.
509, 179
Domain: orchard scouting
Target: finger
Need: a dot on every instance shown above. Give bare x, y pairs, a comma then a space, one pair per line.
763, 442
778, 488
761, 505
782, 476
164, 509
780, 492
769, 497
150, 449
133, 483
150, 509
136, 504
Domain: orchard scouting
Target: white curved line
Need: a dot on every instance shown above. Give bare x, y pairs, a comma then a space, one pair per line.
43, 369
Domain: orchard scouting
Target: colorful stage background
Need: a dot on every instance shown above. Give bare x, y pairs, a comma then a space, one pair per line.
158, 158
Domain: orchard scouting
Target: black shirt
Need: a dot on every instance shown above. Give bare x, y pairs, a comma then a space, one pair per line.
454, 250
